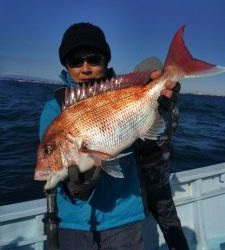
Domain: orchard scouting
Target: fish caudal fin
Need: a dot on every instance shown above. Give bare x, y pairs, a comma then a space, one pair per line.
183, 65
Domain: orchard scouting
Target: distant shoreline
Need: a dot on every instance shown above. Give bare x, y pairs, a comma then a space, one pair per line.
31, 80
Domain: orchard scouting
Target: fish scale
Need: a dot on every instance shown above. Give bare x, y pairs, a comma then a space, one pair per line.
121, 122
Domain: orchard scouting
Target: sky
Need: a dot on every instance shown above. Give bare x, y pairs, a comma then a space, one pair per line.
31, 32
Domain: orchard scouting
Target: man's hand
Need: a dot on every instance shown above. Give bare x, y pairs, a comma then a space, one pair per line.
81, 185
168, 95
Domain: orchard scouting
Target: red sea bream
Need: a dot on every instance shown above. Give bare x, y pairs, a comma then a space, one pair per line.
100, 121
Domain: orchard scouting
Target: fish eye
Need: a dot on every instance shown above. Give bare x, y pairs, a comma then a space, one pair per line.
48, 149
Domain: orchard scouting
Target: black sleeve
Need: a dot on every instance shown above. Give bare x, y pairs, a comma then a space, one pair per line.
153, 161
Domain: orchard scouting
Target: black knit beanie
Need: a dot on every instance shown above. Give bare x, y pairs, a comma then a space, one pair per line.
83, 35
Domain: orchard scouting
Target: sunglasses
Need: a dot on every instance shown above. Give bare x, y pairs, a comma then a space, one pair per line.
92, 59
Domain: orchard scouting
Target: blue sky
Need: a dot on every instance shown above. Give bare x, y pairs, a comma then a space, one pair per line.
31, 32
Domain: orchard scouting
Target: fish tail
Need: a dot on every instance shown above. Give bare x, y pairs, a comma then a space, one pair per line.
183, 65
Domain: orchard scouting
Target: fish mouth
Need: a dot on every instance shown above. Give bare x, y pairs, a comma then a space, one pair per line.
41, 176
45, 176
51, 178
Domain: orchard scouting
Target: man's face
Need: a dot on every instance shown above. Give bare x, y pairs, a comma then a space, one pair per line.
85, 65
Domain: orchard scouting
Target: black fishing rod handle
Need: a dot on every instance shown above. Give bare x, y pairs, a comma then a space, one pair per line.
51, 221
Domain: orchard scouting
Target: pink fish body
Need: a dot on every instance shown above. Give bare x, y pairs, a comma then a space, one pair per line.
95, 130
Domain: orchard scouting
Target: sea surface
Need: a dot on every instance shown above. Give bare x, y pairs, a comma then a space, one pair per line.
199, 139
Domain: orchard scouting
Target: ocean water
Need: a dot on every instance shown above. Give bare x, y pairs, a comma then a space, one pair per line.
199, 139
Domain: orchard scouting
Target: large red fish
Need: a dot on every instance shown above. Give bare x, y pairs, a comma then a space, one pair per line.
100, 121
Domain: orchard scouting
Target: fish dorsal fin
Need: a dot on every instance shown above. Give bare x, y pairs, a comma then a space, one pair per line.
75, 95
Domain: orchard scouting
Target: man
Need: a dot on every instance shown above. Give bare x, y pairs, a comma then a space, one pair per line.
96, 210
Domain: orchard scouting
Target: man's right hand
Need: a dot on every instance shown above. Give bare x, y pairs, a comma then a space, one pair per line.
81, 185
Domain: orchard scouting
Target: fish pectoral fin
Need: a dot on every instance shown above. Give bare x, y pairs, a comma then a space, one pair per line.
112, 166
157, 128
106, 161
98, 156
113, 169
119, 156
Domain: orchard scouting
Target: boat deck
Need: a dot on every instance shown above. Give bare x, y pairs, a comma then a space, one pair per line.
199, 195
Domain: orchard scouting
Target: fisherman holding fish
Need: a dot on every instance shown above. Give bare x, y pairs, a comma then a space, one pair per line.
100, 200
